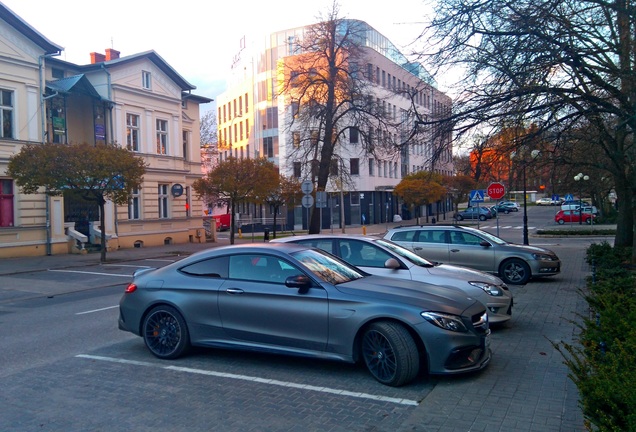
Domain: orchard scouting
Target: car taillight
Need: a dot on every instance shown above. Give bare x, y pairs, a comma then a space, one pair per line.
130, 288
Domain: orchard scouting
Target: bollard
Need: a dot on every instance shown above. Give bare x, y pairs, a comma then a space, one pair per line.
364, 230
240, 233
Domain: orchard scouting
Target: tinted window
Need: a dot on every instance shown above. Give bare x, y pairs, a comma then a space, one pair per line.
214, 267
458, 237
362, 253
263, 268
403, 236
432, 236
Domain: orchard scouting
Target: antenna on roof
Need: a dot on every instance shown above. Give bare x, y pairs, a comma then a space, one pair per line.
112, 44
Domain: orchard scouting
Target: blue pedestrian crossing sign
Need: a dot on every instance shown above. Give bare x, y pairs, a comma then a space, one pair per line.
477, 195
569, 197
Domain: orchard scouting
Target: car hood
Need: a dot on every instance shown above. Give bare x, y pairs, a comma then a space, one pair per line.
528, 249
461, 273
424, 295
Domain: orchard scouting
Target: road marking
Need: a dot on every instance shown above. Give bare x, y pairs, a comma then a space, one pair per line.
125, 265
96, 310
93, 273
157, 259
398, 401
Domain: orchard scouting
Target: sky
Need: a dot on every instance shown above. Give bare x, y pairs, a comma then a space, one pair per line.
199, 38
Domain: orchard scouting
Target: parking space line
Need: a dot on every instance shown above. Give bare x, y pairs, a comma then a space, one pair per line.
398, 401
125, 265
96, 310
92, 273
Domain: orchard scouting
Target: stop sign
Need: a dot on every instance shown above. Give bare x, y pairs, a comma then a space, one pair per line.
496, 190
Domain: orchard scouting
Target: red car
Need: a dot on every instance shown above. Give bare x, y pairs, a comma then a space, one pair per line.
564, 216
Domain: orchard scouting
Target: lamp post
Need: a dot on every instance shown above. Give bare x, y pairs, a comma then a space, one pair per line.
578, 178
533, 154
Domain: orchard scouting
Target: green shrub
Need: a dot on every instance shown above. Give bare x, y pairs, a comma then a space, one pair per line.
602, 365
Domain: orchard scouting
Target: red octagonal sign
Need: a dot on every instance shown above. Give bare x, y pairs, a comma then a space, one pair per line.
496, 190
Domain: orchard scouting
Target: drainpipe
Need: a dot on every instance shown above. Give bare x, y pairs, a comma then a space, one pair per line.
43, 117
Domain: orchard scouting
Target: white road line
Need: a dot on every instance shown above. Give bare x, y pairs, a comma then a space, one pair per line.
157, 259
96, 310
125, 265
93, 273
398, 401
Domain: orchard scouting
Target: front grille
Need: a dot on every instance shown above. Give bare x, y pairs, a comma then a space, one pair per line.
480, 322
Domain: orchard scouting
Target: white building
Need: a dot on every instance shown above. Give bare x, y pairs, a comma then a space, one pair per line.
254, 118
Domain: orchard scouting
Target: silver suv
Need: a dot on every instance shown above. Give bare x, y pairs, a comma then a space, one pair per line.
470, 247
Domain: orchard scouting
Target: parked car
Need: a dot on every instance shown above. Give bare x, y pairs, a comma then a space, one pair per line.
481, 213
547, 201
564, 216
384, 258
507, 207
573, 205
470, 247
297, 300
590, 209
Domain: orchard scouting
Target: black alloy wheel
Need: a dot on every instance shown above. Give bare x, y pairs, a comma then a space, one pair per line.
390, 353
165, 332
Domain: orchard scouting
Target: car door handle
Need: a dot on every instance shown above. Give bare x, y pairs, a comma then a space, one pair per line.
455, 250
234, 291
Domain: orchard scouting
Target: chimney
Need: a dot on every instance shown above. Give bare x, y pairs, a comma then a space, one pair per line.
111, 54
97, 58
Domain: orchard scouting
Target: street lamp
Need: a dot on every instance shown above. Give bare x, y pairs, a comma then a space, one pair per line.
533, 154
578, 178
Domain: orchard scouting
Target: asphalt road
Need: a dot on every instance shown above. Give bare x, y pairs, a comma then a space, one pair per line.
66, 366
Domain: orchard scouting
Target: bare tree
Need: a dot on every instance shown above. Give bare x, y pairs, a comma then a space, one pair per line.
333, 102
561, 66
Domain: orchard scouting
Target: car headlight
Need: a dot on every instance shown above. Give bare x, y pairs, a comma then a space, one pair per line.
489, 288
445, 321
542, 257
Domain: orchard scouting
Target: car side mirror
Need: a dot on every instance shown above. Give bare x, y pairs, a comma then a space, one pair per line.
484, 243
392, 263
299, 282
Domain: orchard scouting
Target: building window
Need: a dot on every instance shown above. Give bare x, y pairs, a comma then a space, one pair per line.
134, 205
353, 135
132, 132
314, 138
354, 166
162, 137
6, 113
247, 106
162, 201
146, 81
184, 104
57, 73
355, 198
185, 135
6, 203
297, 169
296, 139
268, 147
333, 167
371, 168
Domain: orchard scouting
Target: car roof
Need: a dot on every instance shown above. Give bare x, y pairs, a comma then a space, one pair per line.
322, 236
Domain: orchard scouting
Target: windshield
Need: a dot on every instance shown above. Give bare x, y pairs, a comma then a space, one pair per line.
327, 267
405, 253
487, 236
